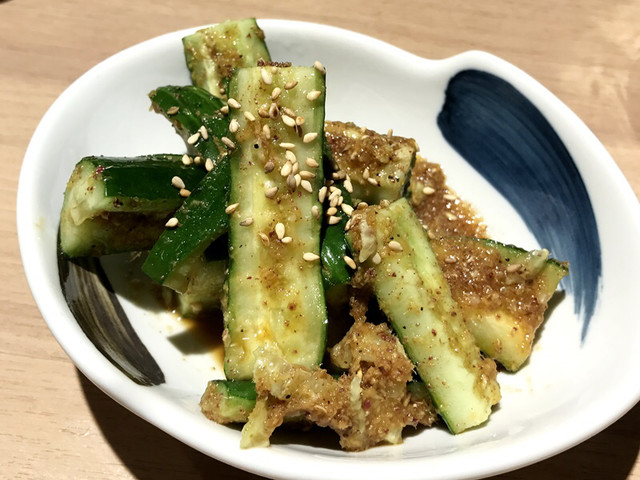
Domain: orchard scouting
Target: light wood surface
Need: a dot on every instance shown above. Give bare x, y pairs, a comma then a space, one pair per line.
53, 422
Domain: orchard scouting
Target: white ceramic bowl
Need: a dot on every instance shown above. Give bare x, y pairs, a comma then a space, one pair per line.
569, 390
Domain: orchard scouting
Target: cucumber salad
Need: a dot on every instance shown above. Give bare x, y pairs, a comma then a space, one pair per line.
358, 291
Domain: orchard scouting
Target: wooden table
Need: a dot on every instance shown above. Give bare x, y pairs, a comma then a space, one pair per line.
53, 422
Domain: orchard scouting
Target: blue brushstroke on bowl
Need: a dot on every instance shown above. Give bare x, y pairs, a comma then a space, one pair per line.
502, 134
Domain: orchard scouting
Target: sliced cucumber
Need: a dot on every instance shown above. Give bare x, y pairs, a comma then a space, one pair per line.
275, 294
412, 292
213, 53
116, 205
228, 401
502, 290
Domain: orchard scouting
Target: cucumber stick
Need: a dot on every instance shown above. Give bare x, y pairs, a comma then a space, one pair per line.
213, 53
275, 295
412, 292
119, 204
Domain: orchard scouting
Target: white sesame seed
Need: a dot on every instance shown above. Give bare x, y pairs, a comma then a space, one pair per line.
428, 190
186, 159
274, 69
266, 77
264, 238
285, 171
233, 125
448, 196
366, 174
249, 116
298, 179
311, 162
331, 211
395, 246
273, 111
295, 166
514, 267
333, 220
348, 186
289, 112
208, 164
313, 95
299, 120
288, 121
376, 259
271, 192
263, 112
231, 208
339, 175
172, 223
233, 103
307, 175
197, 160
362, 205
224, 110
346, 208
203, 132
228, 142
390, 133
177, 182
347, 225
246, 222
287, 145
315, 211
372, 181
184, 192
450, 216
310, 257
306, 184
289, 155
309, 137
287, 240
172, 110
318, 66
275, 93
322, 194
349, 261
290, 85
333, 202
266, 131
279, 230
193, 138
452, 259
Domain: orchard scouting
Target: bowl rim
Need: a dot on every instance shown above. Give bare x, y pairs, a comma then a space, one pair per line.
266, 462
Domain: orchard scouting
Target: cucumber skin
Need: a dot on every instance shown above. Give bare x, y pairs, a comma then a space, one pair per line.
335, 272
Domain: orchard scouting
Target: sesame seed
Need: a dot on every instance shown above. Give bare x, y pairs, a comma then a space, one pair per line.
452, 259
203, 132
346, 208
307, 175
313, 95
333, 202
275, 93
264, 238
290, 85
269, 166
172, 223
366, 174
274, 69
186, 159
306, 184
448, 196
224, 110
333, 220
450, 216
385, 203
197, 160
390, 133
292, 183
339, 175
428, 190
331, 211
289, 155
309, 137
315, 211
514, 267
348, 186
349, 261
289, 112
249, 116
372, 181
263, 112
298, 179
273, 111
287, 145
395, 246
233, 125
295, 166
184, 192
193, 138
271, 192
233, 103
299, 120
279, 230
228, 142
347, 225
318, 66
266, 131
287, 240
376, 259
285, 171
310, 257
322, 194
246, 222
362, 205
231, 208
172, 110
266, 77
208, 165
288, 121
223, 90
177, 182
311, 162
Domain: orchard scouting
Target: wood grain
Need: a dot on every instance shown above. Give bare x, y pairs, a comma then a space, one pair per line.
53, 422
